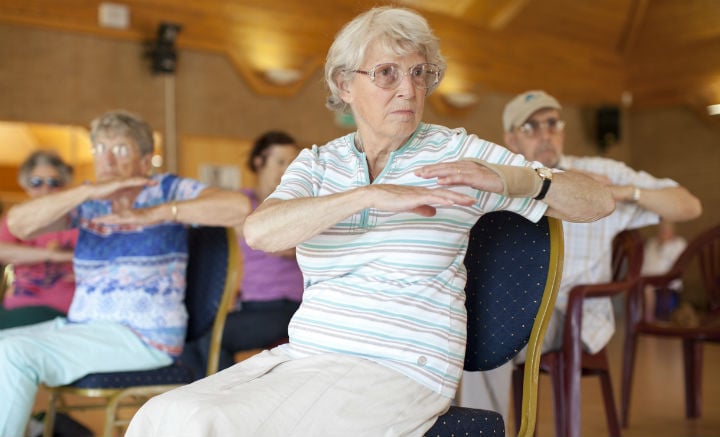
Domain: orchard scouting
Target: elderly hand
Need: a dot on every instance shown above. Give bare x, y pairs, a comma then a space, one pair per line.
420, 200
465, 173
118, 188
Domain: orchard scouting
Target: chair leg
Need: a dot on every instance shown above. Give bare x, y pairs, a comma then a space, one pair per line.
556, 379
692, 354
628, 368
111, 414
49, 421
610, 410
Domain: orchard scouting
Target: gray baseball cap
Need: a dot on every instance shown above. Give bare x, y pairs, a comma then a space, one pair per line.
519, 109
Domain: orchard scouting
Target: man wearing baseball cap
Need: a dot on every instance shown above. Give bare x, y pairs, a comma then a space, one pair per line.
534, 128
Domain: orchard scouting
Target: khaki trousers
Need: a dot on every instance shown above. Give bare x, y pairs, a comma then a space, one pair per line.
272, 395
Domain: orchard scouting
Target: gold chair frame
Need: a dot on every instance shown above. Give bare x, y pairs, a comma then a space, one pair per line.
531, 375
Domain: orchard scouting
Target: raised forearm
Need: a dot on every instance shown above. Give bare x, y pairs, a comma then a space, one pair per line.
281, 224
575, 197
675, 204
213, 207
46, 213
18, 254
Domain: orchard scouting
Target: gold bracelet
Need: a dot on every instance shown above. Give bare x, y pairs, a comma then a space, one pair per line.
636, 195
174, 210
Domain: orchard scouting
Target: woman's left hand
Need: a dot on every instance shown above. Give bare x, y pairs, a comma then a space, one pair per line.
463, 172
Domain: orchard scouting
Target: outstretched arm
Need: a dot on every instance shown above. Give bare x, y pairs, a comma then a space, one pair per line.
11, 253
280, 224
212, 207
572, 196
675, 204
48, 213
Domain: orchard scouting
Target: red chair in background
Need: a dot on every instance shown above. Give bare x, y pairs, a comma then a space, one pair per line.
703, 254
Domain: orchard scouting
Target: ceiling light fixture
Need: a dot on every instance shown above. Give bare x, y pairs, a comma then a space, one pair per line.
713, 109
282, 76
460, 99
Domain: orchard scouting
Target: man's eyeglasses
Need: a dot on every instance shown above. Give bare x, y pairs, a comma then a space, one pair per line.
37, 182
119, 150
532, 128
389, 76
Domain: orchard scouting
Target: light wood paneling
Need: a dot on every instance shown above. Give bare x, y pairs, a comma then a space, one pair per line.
662, 51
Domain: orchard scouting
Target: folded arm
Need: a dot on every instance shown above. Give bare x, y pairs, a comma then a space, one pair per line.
280, 224
212, 207
675, 204
572, 196
11, 253
49, 213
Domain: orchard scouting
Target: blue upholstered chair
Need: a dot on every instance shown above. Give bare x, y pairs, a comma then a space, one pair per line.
514, 268
211, 276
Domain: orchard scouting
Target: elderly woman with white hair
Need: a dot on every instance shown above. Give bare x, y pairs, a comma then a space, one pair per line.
380, 218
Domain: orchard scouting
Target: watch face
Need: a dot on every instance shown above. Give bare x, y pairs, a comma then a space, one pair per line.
545, 173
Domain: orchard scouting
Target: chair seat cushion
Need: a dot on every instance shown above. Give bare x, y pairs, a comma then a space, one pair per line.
173, 374
459, 421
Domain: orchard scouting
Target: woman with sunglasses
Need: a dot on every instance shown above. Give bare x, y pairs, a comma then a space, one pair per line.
380, 218
43, 283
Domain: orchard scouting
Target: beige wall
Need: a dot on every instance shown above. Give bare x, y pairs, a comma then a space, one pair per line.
60, 77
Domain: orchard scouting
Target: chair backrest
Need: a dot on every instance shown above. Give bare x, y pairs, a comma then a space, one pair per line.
511, 264
705, 250
211, 283
627, 255
514, 269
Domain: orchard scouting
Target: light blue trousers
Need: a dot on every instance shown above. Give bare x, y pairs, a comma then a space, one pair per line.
58, 352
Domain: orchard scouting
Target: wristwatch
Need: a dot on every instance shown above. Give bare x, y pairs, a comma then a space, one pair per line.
546, 176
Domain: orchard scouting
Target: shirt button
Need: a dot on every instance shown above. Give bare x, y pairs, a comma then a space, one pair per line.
421, 360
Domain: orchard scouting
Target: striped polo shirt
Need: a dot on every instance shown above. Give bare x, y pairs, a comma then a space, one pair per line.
389, 286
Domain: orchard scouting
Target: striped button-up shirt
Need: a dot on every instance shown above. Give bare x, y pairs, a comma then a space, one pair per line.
389, 286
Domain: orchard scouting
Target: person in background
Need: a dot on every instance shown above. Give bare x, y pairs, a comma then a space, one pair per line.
534, 128
380, 218
660, 254
44, 282
271, 286
127, 312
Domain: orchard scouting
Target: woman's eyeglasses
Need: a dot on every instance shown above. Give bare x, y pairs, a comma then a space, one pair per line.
119, 150
389, 76
37, 182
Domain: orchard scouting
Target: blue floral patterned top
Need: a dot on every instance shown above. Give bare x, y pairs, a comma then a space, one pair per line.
135, 275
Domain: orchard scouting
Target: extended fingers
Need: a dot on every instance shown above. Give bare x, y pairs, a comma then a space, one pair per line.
450, 197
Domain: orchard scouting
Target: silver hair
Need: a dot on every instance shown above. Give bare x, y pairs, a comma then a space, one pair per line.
44, 157
127, 124
400, 30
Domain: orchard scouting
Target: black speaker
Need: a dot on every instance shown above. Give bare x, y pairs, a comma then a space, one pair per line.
164, 56
607, 120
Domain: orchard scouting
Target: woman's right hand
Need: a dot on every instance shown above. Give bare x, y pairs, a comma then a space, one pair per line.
420, 200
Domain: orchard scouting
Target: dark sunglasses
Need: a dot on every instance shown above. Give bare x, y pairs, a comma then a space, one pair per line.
37, 182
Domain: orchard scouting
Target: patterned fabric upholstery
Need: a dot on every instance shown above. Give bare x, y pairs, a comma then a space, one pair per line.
174, 374
507, 263
206, 276
460, 422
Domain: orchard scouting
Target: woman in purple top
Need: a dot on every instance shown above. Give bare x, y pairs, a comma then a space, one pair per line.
44, 282
272, 285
